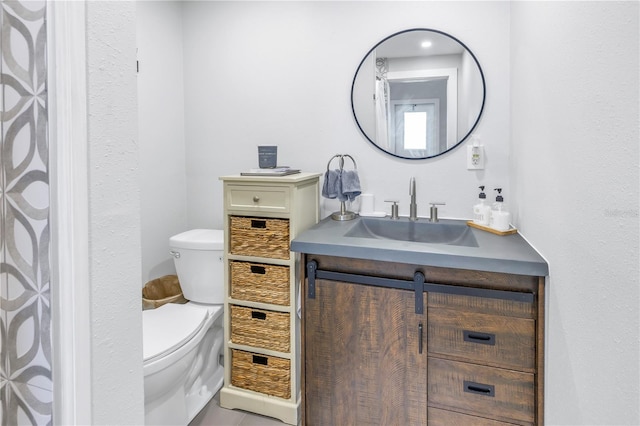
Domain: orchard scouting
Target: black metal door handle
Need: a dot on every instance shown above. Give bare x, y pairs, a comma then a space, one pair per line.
481, 338
479, 388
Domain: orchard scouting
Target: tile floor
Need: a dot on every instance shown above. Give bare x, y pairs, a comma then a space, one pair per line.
213, 415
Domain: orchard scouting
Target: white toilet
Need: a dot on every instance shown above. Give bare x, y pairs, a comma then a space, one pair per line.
183, 343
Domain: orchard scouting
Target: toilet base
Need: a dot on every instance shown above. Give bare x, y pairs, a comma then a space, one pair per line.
203, 380
171, 410
196, 401
180, 409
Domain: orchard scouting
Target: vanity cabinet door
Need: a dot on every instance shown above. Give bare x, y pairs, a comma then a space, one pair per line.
365, 356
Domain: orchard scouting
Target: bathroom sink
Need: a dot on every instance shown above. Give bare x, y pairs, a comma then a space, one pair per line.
421, 231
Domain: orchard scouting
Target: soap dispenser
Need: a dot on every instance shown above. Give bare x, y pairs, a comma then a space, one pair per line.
482, 211
500, 218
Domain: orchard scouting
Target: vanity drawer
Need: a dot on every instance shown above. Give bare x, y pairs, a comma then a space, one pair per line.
261, 373
495, 340
494, 393
258, 198
260, 237
485, 305
438, 417
259, 282
260, 328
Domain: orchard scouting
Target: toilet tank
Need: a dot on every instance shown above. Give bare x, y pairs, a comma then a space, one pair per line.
198, 257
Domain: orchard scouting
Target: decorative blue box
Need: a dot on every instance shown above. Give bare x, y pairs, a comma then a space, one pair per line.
267, 156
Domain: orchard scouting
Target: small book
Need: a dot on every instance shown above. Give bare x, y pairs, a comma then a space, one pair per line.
276, 171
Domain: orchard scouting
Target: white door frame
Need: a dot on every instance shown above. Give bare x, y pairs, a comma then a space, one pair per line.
393, 123
451, 74
70, 290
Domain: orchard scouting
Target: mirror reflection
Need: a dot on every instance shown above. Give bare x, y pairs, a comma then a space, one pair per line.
418, 93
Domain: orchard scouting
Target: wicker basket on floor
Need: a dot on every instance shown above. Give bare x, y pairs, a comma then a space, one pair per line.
162, 290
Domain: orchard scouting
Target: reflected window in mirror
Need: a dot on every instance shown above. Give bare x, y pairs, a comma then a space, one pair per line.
415, 130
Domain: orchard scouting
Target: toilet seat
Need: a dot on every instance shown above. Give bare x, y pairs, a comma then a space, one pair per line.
199, 239
169, 327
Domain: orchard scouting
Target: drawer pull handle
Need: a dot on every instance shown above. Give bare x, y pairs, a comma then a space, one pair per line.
258, 223
258, 269
256, 198
262, 360
258, 315
479, 388
481, 338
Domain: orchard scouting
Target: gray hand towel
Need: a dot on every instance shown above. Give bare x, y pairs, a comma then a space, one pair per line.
331, 185
350, 185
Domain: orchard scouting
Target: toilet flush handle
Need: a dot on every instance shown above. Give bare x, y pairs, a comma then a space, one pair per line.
175, 254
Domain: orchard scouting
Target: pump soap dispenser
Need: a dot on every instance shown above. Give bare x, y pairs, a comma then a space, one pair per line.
500, 218
482, 211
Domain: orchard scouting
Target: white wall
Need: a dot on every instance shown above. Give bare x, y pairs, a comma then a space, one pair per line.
281, 72
114, 215
575, 173
163, 185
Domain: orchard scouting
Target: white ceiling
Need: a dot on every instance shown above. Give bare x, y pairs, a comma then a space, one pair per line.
408, 45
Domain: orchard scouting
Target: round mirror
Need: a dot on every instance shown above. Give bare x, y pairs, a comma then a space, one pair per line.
418, 93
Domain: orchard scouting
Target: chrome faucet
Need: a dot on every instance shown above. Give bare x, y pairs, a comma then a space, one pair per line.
433, 217
394, 208
413, 207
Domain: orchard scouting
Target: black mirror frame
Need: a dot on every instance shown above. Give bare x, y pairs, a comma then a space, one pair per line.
475, 124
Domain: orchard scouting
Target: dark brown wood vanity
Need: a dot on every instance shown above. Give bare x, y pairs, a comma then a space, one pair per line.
391, 343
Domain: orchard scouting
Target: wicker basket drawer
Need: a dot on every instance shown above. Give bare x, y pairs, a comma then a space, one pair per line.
257, 282
260, 328
261, 373
261, 237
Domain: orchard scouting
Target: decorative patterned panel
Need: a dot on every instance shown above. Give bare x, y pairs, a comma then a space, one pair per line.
25, 312
3, 232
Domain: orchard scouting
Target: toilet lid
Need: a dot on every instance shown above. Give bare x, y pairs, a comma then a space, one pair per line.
198, 239
166, 328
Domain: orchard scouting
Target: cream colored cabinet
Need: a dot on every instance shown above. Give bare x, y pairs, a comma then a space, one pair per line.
262, 284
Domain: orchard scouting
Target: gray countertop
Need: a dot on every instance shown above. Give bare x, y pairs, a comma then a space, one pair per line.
495, 253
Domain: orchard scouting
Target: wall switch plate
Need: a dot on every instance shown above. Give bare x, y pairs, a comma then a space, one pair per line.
475, 157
